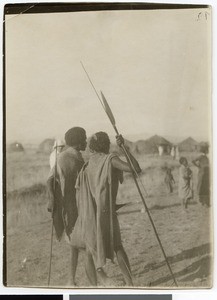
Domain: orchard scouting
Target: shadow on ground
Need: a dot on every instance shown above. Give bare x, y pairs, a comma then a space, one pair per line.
154, 207
199, 269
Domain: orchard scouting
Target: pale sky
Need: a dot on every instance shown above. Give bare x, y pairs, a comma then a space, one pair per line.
154, 67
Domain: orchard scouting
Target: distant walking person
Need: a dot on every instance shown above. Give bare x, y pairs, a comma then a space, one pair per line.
97, 227
169, 180
185, 182
62, 194
203, 183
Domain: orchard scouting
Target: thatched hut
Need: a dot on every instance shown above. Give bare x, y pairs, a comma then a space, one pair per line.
143, 147
203, 146
155, 144
46, 146
188, 145
16, 147
128, 144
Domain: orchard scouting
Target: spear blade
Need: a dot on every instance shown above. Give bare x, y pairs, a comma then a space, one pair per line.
107, 109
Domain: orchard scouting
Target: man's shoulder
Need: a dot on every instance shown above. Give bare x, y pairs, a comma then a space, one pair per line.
69, 156
65, 155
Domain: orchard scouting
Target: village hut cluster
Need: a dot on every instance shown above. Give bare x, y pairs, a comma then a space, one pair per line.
160, 146
156, 145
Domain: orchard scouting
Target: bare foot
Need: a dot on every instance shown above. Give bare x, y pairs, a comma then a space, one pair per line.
104, 279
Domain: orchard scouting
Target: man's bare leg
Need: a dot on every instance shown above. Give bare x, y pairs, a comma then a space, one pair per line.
90, 269
124, 265
74, 263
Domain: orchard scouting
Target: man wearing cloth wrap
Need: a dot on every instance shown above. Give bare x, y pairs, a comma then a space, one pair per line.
97, 228
62, 194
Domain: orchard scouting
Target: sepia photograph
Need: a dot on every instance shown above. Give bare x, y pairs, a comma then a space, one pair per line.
108, 146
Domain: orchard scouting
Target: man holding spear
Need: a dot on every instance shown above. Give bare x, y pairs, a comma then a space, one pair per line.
61, 189
108, 111
97, 228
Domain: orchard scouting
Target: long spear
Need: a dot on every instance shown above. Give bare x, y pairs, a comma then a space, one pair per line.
110, 115
52, 214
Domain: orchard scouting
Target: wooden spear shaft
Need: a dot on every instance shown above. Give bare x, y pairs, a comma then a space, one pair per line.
147, 210
146, 207
112, 120
52, 225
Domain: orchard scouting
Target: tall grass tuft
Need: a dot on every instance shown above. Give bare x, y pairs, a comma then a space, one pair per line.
26, 207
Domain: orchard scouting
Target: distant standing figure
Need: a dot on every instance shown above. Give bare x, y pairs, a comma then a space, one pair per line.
173, 153
177, 153
57, 149
169, 180
61, 188
185, 182
160, 150
203, 183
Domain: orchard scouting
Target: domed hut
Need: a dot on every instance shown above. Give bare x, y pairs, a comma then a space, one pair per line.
188, 145
203, 146
128, 144
144, 147
16, 147
46, 146
155, 144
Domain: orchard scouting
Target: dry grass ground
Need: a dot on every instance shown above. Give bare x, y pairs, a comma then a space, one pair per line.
185, 235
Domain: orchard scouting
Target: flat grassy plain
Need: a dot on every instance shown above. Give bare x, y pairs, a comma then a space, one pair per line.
185, 235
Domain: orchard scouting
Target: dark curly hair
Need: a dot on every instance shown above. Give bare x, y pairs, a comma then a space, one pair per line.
75, 136
99, 142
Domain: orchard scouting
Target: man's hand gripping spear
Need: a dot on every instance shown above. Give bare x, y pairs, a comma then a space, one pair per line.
109, 113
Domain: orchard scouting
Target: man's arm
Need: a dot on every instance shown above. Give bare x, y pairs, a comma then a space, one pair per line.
122, 165
196, 162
